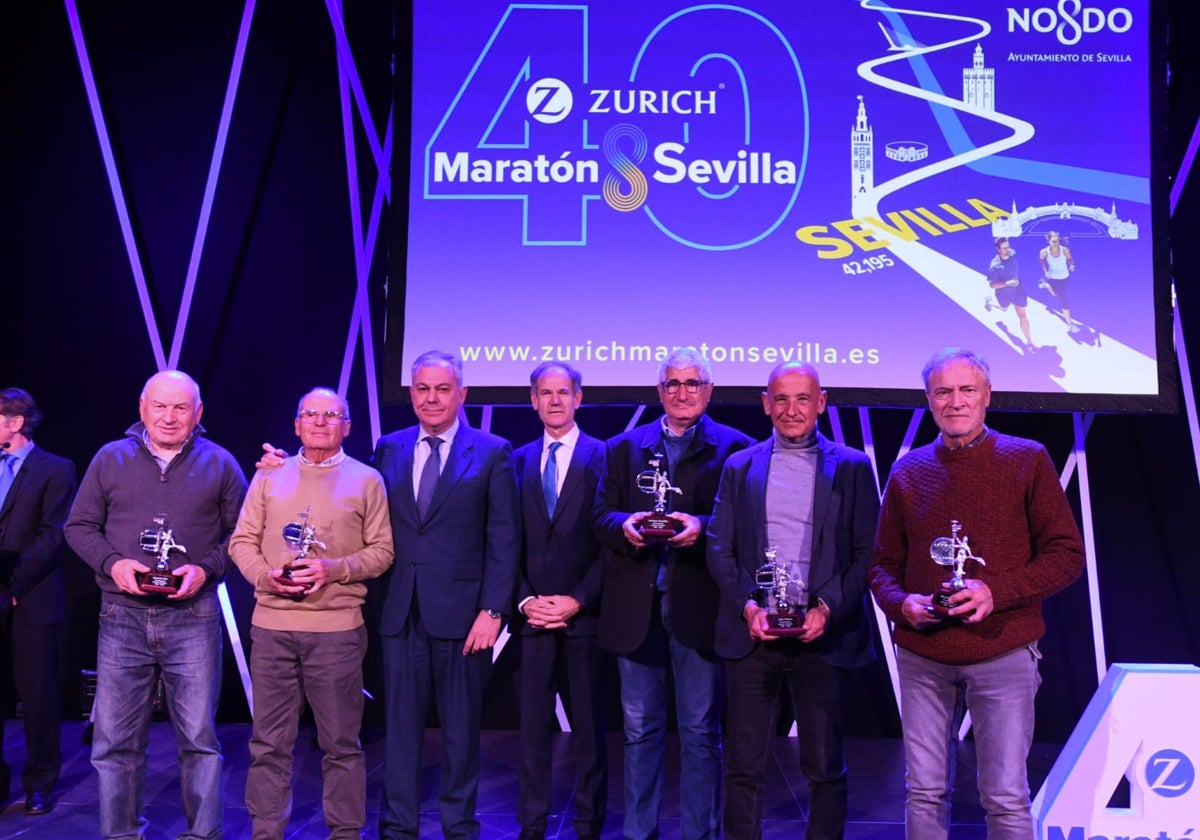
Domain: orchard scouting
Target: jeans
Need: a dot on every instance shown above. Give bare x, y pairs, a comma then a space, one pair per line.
815, 689
325, 668
135, 643
999, 693
699, 694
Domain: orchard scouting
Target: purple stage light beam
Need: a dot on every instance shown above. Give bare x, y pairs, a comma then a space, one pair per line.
350, 86
347, 65
210, 187
114, 181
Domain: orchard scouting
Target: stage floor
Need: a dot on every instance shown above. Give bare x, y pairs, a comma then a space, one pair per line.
876, 810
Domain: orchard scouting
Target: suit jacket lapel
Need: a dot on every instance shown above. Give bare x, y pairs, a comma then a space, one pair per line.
402, 478
823, 487
22, 477
756, 490
651, 444
532, 481
573, 480
461, 452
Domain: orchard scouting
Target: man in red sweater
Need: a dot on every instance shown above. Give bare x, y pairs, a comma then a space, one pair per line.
1013, 527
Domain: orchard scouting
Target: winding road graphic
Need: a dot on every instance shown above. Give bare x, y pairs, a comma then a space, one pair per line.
1088, 362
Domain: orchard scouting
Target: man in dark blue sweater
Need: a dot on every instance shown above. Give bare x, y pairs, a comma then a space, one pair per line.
162, 483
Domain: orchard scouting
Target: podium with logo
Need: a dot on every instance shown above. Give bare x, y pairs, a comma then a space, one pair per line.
1129, 768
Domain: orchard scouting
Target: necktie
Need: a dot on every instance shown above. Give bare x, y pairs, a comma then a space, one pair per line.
429, 476
550, 478
7, 462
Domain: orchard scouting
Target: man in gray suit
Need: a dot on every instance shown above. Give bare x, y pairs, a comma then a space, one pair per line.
812, 505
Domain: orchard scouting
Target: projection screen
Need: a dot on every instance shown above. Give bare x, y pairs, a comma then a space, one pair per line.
600, 182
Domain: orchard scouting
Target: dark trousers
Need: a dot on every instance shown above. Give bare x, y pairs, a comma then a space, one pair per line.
574, 665
414, 665
815, 689
31, 650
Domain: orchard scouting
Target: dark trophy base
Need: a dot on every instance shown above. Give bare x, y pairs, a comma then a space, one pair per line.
659, 528
941, 603
288, 570
785, 624
161, 582
291, 568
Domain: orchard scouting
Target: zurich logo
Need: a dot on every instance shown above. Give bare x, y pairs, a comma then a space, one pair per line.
549, 100
1170, 773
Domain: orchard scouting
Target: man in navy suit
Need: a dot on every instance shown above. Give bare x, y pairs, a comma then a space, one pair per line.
813, 506
558, 593
456, 525
659, 603
36, 489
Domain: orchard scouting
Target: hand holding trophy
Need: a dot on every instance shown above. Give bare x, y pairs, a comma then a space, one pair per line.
787, 618
301, 536
657, 527
951, 551
160, 542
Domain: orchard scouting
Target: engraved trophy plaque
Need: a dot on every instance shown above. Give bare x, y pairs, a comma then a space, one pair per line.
657, 527
159, 542
301, 536
952, 551
789, 593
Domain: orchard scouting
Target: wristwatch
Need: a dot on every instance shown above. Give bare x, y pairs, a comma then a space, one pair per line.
494, 614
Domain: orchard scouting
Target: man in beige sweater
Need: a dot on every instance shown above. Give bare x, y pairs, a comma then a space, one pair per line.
309, 534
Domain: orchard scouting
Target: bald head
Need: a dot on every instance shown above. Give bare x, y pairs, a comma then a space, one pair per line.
170, 409
785, 368
794, 399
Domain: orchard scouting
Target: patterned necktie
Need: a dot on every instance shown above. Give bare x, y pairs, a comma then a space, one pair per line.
7, 462
429, 476
550, 478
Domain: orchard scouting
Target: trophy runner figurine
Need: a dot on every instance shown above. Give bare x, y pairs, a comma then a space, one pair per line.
159, 542
951, 551
301, 536
657, 527
787, 619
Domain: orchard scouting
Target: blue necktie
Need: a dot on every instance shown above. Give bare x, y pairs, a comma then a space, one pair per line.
550, 478
7, 463
429, 477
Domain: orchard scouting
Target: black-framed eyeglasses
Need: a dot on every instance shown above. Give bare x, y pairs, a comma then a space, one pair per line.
309, 415
692, 386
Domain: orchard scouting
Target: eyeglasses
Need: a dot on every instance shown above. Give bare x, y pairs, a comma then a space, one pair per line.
309, 415
692, 386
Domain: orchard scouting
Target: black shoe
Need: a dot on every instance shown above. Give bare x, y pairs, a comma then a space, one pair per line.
39, 803
531, 834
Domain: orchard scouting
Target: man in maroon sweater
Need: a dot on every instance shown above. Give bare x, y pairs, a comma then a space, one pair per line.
1015, 529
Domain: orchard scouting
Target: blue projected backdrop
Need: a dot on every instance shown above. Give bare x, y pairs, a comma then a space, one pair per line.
599, 182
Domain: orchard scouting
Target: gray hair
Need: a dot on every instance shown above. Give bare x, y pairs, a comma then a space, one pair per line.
686, 357
947, 356
439, 358
329, 392
546, 368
